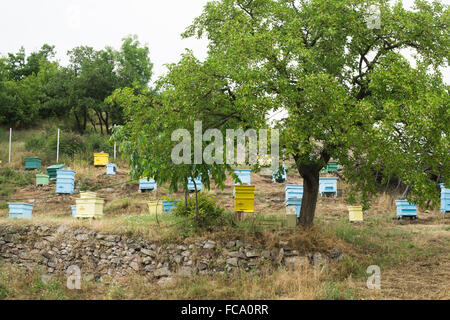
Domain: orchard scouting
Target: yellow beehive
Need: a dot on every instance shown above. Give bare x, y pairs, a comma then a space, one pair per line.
89, 208
84, 195
244, 199
155, 207
101, 159
355, 213
291, 216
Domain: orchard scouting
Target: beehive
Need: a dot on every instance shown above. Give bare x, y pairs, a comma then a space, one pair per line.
20, 210
42, 180
405, 209
331, 167
74, 211
169, 205
244, 198
328, 186
198, 182
33, 163
293, 191
291, 217
101, 159
445, 199
283, 175
51, 171
155, 207
111, 168
147, 184
296, 203
244, 175
89, 208
355, 213
65, 181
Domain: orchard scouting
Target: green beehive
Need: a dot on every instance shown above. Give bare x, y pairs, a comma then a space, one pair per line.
33, 163
52, 170
42, 180
331, 167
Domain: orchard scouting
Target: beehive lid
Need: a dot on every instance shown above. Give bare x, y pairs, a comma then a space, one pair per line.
85, 195
56, 166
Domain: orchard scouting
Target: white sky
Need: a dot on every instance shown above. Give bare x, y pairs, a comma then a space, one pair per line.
99, 23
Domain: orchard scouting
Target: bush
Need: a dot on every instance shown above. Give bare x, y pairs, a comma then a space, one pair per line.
208, 210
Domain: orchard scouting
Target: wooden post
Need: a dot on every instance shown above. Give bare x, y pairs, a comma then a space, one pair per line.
57, 149
114, 151
10, 135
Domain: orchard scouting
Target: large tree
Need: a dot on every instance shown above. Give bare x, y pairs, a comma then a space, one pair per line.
350, 90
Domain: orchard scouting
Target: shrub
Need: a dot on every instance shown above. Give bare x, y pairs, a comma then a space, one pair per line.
208, 210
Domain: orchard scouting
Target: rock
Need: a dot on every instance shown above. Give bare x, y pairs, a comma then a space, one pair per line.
335, 253
231, 244
134, 265
252, 254
236, 254
209, 244
319, 259
186, 253
162, 272
178, 259
295, 262
202, 266
150, 253
232, 262
166, 281
82, 237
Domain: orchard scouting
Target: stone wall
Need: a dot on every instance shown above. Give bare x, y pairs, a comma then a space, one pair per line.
54, 249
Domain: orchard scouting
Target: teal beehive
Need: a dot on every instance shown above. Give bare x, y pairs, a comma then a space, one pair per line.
445, 199
33, 163
244, 175
65, 181
328, 186
20, 210
51, 171
406, 209
198, 184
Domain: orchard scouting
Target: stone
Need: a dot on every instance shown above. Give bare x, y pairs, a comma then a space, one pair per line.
185, 271
186, 253
150, 253
202, 266
231, 244
252, 254
134, 265
319, 259
178, 259
162, 272
295, 262
209, 244
82, 237
232, 262
335, 253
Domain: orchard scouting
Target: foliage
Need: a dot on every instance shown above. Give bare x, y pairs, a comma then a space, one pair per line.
209, 212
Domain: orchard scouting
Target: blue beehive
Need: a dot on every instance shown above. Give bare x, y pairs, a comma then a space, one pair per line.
282, 171
65, 181
147, 184
169, 205
111, 168
244, 175
295, 202
405, 209
293, 191
20, 210
328, 186
74, 211
445, 199
198, 182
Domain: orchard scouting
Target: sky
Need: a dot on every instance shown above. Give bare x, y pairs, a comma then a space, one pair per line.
99, 23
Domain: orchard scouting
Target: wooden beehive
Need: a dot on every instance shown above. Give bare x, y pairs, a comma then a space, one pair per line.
101, 159
405, 209
191, 186
33, 163
169, 205
155, 207
244, 175
293, 191
111, 168
355, 213
20, 210
147, 184
89, 208
51, 171
65, 181
244, 200
331, 167
328, 186
42, 179
291, 217
445, 199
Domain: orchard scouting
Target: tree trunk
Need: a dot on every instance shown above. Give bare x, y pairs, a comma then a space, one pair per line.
186, 191
310, 175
